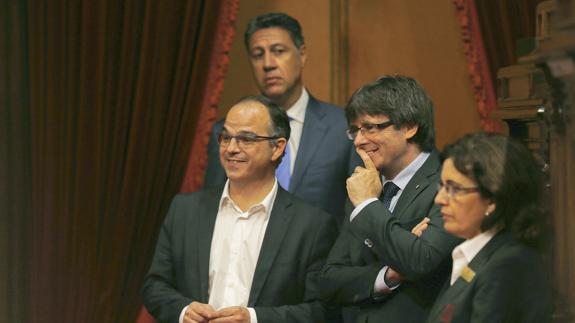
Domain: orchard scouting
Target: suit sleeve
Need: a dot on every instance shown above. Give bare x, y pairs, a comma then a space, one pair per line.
159, 292
347, 281
215, 174
408, 254
311, 309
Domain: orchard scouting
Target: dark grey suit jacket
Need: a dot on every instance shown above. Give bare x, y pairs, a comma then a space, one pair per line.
509, 285
376, 238
324, 160
285, 284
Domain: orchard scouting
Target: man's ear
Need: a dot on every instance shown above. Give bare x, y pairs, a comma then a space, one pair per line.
279, 148
491, 208
302, 54
410, 130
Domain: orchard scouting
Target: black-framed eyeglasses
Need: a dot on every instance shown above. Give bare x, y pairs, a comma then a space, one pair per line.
244, 139
454, 190
367, 129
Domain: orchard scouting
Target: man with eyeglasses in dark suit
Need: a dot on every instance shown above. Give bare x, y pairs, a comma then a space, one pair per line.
377, 263
246, 251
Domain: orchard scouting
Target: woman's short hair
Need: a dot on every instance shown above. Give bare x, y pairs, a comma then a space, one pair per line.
505, 172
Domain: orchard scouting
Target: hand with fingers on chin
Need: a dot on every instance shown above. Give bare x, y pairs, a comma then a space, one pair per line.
233, 314
198, 313
365, 182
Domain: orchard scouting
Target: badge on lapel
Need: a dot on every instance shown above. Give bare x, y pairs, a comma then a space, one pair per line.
468, 274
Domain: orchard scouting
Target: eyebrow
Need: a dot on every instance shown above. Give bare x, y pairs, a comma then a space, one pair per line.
454, 183
242, 132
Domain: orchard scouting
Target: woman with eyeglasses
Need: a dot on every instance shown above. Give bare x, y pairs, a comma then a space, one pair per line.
490, 194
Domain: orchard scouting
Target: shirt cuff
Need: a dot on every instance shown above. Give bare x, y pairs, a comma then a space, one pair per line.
183, 313
253, 316
380, 286
360, 207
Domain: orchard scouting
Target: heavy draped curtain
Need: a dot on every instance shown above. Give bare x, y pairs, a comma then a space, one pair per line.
490, 30
101, 104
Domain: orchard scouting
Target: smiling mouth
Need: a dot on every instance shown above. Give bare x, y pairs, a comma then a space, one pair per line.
235, 161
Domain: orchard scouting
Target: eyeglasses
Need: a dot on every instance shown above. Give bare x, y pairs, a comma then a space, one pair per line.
243, 140
454, 190
366, 129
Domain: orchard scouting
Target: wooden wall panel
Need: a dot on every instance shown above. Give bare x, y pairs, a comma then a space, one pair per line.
352, 42
419, 39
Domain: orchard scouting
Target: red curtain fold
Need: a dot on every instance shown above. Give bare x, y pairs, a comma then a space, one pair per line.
101, 103
218, 64
477, 63
490, 31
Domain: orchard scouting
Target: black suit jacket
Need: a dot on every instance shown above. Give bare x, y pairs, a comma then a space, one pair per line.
509, 286
324, 160
285, 284
376, 238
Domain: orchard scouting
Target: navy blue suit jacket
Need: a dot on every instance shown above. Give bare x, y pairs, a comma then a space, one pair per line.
324, 160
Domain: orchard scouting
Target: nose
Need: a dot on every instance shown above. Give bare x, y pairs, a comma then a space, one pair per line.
233, 146
269, 61
441, 197
359, 139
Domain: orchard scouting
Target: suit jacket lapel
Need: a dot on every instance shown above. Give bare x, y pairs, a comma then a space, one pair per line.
207, 213
275, 232
312, 135
449, 293
418, 182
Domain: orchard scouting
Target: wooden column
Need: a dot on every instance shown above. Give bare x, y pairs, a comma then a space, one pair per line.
537, 101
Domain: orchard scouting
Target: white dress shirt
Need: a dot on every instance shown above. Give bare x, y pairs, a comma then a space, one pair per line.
464, 253
401, 180
296, 113
234, 252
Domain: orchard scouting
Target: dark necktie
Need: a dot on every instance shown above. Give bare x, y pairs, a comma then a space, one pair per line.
389, 191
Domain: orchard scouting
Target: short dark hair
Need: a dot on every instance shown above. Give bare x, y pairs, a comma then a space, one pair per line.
402, 100
505, 172
279, 120
274, 20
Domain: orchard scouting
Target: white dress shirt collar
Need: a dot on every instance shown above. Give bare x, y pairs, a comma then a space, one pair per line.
267, 203
403, 178
464, 253
297, 110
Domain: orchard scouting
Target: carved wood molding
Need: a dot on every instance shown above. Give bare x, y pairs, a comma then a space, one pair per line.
477, 63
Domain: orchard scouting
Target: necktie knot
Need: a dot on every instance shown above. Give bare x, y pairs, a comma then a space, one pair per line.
389, 191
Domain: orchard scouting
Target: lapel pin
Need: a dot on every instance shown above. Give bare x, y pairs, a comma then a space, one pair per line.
468, 274
417, 186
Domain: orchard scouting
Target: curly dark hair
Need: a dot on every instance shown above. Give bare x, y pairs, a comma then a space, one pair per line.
505, 172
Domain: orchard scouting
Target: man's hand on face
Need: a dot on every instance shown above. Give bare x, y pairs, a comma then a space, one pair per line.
198, 313
233, 314
365, 182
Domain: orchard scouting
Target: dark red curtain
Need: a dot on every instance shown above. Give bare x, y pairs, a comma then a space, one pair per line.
490, 30
102, 102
